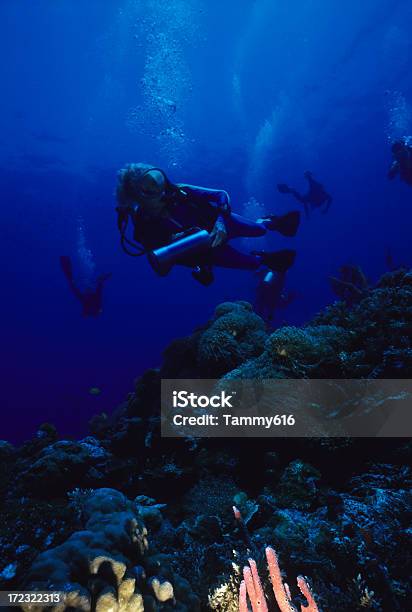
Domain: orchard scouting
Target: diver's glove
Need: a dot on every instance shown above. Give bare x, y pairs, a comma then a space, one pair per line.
218, 234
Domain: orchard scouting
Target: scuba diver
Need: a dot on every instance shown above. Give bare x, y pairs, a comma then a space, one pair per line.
402, 160
316, 197
91, 298
271, 295
191, 226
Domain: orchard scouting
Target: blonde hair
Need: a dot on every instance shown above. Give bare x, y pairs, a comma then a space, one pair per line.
128, 180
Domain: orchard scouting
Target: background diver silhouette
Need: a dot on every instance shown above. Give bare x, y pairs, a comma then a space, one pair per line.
91, 298
402, 160
271, 295
163, 212
316, 197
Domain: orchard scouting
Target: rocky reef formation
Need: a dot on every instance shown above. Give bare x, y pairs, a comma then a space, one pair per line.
126, 520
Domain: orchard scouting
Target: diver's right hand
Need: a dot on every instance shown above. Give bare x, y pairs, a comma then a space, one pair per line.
218, 235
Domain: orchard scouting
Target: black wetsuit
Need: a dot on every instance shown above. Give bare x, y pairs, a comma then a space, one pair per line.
190, 206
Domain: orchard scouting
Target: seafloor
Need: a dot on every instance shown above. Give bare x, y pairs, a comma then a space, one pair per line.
127, 520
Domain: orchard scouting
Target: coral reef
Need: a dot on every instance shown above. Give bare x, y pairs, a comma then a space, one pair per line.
370, 339
381, 325
79, 515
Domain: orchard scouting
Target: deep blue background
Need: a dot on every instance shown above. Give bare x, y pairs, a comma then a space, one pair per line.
263, 90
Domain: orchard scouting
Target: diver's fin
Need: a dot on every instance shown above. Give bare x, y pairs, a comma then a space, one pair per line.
282, 188
66, 266
287, 225
277, 261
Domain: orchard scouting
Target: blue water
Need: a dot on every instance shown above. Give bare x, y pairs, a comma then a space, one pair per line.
238, 95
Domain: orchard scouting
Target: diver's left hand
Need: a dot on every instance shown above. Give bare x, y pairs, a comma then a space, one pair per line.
219, 234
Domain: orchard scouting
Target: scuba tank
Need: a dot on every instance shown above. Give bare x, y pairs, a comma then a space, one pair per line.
164, 258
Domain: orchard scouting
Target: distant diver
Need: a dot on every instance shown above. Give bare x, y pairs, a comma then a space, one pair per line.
402, 160
91, 298
316, 197
191, 226
271, 295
